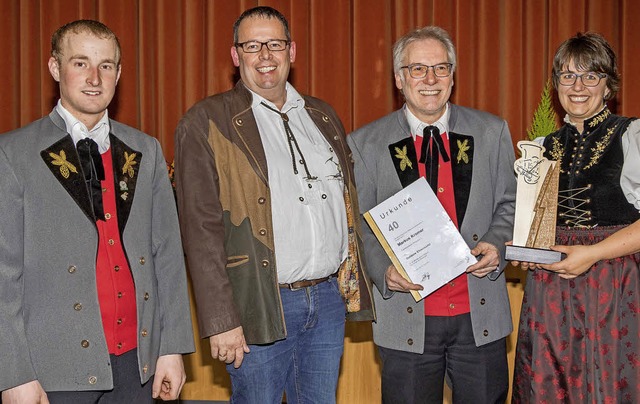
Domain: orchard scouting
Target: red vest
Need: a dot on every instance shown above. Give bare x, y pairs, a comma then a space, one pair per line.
453, 298
116, 290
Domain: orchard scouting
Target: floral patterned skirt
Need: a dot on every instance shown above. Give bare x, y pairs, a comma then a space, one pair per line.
579, 339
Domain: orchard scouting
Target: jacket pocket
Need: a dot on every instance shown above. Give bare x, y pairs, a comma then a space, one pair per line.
237, 260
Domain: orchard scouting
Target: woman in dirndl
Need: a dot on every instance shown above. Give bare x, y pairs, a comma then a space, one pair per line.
579, 335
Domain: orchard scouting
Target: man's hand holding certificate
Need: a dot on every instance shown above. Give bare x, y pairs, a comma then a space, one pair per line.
420, 238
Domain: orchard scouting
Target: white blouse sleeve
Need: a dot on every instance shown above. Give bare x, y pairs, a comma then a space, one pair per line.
630, 176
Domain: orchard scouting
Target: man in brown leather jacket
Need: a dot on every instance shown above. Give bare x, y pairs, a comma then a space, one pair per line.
268, 213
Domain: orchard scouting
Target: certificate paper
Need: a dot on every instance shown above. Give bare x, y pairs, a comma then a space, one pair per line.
420, 238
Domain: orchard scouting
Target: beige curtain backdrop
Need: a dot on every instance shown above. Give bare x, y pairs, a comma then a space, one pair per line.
176, 52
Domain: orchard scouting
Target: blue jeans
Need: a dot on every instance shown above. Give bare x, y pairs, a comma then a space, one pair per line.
306, 364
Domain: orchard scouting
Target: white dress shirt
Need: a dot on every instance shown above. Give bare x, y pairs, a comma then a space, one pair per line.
309, 215
79, 131
417, 126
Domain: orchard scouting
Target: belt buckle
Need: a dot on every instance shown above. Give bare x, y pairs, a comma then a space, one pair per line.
290, 286
293, 288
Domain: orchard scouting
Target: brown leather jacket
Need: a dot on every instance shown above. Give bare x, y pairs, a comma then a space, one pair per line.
225, 216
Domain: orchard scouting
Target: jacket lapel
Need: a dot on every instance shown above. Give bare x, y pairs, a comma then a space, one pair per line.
246, 128
126, 166
331, 134
462, 149
250, 142
64, 163
405, 161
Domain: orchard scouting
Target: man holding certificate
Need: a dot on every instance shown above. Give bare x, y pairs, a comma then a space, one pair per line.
467, 157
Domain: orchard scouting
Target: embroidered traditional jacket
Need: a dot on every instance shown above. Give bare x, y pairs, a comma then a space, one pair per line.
591, 164
50, 323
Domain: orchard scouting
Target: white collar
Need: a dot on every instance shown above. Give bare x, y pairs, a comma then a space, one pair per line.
294, 99
78, 130
416, 125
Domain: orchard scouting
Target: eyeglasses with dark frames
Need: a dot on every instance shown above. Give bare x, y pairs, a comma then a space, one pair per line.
589, 79
273, 45
420, 71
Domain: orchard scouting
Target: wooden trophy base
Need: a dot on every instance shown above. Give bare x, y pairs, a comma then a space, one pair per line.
531, 254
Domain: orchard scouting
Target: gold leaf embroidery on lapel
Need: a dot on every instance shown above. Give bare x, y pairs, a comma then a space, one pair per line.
599, 118
127, 168
557, 151
600, 148
462, 152
404, 159
65, 166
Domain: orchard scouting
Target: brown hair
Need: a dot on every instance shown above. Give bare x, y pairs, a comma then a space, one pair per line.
262, 12
82, 26
589, 52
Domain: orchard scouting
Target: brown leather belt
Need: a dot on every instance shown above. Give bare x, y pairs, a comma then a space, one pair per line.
306, 283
